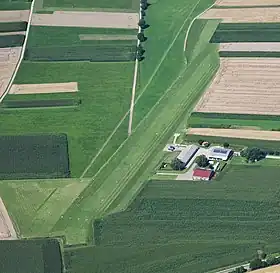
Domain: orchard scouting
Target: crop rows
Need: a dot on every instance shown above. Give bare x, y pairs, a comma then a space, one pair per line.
244, 54
37, 156
246, 32
40, 256
11, 40
15, 26
40, 103
94, 53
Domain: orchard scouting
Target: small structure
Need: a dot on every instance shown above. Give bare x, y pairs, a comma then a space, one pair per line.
219, 153
187, 154
202, 174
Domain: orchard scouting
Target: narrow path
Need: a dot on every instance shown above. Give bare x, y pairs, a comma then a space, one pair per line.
21, 54
187, 34
134, 82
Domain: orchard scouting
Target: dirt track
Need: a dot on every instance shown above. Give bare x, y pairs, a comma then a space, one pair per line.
235, 133
271, 269
245, 86
247, 2
44, 88
87, 19
7, 231
237, 15
264, 47
14, 15
102, 37
8, 60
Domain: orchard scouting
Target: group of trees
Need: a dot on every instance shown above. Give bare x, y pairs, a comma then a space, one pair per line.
240, 269
177, 165
202, 161
253, 154
262, 263
143, 25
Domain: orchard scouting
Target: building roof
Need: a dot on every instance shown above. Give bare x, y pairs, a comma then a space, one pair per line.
219, 151
187, 153
202, 173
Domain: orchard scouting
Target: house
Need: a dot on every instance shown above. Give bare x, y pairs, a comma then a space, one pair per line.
219, 153
187, 154
202, 174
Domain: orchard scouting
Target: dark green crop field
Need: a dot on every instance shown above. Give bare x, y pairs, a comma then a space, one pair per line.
89, 4
244, 54
65, 36
177, 226
30, 256
13, 26
246, 32
93, 53
221, 120
37, 156
15, 5
11, 40
40, 103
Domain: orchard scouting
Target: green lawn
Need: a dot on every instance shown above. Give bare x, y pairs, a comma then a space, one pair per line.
177, 226
105, 91
36, 205
102, 4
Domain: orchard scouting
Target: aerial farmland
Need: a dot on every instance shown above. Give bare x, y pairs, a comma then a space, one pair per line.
84, 122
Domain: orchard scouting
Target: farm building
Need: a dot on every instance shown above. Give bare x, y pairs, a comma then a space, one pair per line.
219, 153
187, 154
202, 174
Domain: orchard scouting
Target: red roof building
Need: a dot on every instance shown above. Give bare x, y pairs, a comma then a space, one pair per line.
202, 174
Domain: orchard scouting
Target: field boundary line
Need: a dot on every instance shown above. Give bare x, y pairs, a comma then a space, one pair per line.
189, 29
144, 89
134, 81
21, 54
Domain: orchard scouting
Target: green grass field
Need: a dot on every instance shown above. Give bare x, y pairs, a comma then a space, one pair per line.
87, 4
177, 226
105, 91
36, 205
14, 5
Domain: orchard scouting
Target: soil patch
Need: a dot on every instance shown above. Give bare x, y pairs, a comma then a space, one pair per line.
244, 86
87, 19
7, 231
236, 133
248, 15
264, 47
88, 37
14, 15
44, 88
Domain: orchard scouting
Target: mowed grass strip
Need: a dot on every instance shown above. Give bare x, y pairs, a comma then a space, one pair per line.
105, 91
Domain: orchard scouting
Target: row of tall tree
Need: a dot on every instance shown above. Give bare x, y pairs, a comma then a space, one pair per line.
143, 25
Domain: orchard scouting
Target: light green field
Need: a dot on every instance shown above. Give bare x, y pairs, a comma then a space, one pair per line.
36, 205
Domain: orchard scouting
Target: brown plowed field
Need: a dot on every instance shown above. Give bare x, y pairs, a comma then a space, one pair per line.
8, 60
244, 86
87, 19
247, 2
44, 88
271, 269
14, 15
235, 133
7, 231
237, 15
264, 47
